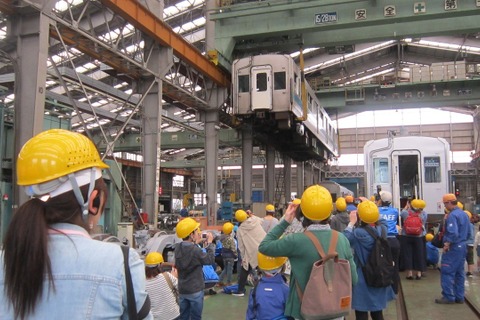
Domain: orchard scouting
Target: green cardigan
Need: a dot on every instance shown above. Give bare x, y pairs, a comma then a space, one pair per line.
302, 254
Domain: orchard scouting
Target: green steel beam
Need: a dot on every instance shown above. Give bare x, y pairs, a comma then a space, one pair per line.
201, 163
287, 25
173, 140
461, 94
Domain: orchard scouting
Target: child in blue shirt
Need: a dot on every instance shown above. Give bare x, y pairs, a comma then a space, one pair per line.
267, 299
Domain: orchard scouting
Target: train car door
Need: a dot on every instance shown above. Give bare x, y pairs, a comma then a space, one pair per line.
407, 178
261, 88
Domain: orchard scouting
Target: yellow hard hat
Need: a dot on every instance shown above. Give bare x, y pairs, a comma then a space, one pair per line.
153, 259
185, 227
469, 214
429, 237
227, 227
316, 203
270, 263
296, 201
270, 208
53, 154
241, 215
460, 205
372, 198
349, 199
368, 211
418, 204
341, 204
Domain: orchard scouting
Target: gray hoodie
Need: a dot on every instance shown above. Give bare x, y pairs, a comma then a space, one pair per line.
340, 221
189, 261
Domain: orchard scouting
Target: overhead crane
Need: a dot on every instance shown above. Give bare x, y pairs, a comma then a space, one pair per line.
140, 17
146, 21
272, 26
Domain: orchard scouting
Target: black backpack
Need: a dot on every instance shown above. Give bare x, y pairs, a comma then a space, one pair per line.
380, 269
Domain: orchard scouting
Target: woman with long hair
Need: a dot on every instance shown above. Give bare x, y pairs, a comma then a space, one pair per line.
51, 267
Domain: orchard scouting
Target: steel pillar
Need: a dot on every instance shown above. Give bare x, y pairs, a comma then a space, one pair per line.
211, 163
270, 190
300, 179
247, 161
32, 32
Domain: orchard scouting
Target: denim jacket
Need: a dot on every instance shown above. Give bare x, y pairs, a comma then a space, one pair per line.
89, 279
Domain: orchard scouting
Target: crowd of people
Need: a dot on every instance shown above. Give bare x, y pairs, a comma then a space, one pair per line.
48, 257
268, 249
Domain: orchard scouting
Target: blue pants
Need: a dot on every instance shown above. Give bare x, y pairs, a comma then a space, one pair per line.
191, 306
453, 272
227, 270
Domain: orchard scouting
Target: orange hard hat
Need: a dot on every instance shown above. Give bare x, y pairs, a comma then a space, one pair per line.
449, 197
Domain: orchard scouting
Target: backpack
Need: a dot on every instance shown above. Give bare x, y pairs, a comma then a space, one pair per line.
413, 224
437, 240
328, 293
379, 269
210, 277
230, 289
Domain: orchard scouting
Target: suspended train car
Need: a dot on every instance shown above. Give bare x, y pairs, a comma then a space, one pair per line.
409, 167
267, 91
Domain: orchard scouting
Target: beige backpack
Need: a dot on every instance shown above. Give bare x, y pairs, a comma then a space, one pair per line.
328, 293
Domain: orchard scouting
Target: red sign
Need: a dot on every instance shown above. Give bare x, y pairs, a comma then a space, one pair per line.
160, 190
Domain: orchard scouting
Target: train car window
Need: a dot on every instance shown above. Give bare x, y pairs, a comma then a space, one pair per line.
280, 80
261, 82
380, 169
297, 85
432, 169
243, 83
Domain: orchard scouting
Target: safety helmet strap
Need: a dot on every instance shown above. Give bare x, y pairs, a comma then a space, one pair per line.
78, 194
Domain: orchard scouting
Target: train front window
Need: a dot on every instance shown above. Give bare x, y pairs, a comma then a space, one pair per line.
243, 83
261, 82
380, 169
280, 82
432, 169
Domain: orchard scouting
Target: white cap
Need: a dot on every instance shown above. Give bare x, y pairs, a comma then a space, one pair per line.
385, 196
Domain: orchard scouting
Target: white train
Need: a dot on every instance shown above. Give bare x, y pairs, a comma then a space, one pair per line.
336, 190
409, 167
267, 95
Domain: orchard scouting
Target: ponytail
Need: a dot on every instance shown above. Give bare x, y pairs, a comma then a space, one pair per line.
26, 257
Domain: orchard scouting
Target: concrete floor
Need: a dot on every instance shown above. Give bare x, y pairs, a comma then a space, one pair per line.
420, 296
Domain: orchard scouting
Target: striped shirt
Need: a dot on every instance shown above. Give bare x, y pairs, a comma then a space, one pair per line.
164, 305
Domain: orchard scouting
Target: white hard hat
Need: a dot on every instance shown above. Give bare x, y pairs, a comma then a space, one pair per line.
386, 196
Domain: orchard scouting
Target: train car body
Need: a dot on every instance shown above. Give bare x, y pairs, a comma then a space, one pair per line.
409, 167
336, 189
267, 96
